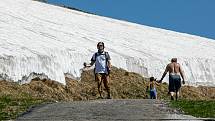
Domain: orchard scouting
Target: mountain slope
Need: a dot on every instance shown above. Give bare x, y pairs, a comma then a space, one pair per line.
42, 38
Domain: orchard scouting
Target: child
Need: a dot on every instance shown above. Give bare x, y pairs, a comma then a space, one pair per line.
152, 88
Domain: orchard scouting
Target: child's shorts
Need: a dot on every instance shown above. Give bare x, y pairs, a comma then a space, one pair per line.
153, 94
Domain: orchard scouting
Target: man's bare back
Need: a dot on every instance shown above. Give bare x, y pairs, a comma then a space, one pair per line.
173, 68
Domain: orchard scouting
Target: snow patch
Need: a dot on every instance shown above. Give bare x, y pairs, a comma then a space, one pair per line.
54, 41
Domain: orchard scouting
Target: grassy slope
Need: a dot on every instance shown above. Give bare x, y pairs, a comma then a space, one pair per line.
197, 108
11, 107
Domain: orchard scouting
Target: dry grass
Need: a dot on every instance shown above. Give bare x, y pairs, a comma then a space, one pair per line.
124, 85
15, 98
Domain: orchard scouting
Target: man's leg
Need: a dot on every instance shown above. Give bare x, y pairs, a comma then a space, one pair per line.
171, 90
177, 95
106, 85
177, 87
172, 95
171, 86
99, 83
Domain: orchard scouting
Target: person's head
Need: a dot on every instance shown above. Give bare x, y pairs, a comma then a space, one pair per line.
100, 46
174, 60
152, 79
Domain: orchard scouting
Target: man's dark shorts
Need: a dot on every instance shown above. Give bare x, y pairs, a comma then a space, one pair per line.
174, 83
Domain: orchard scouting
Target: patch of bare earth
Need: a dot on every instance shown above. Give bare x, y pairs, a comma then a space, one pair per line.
124, 85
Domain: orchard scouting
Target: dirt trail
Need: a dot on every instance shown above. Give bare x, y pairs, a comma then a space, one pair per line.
105, 110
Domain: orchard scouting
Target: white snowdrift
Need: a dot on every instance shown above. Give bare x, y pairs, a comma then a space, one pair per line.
51, 41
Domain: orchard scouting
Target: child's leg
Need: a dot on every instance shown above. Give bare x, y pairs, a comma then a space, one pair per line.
151, 94
155, 94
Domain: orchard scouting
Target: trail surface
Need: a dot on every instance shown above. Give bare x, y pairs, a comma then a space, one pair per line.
105, 110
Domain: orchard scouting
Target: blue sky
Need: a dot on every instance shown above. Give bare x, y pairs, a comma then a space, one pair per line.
195, 17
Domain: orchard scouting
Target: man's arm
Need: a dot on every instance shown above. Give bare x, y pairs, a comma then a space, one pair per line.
89, 65
109, 64
108, 60
165, 72
93, 60
182, 74
157, 83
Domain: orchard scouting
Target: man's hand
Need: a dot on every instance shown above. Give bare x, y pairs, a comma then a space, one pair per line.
159, 81
109, 70
85, 64
183, 82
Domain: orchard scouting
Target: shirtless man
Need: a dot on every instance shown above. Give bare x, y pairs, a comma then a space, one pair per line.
175, 71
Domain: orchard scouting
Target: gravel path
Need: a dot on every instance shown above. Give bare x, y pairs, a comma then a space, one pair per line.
105, 110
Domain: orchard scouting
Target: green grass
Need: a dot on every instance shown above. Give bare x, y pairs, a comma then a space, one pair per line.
11, 107
197, 108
